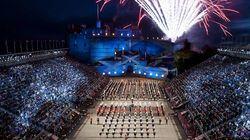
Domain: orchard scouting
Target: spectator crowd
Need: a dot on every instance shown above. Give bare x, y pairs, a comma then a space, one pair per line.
45, 99
212, 98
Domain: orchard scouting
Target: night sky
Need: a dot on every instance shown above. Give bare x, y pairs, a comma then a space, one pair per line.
48, 19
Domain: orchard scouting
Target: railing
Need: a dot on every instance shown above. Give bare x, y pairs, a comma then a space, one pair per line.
25, 46
235, 52
21, 58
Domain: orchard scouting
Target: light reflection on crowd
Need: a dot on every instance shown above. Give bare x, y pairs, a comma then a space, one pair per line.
17, 58
45, 95
215, 95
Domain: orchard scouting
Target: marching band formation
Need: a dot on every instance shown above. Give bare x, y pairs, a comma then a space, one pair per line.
133, 88
137, 112
127, 119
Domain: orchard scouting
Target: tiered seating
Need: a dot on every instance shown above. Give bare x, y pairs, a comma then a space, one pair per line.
238, 127
46, 97
214, 93
243, 52
17, 59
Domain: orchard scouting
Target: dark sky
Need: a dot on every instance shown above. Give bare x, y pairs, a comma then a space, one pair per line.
49, 18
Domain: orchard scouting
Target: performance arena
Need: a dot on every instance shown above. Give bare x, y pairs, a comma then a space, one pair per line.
125, 70
122, 88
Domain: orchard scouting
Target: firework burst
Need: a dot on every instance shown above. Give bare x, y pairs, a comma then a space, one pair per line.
175, 17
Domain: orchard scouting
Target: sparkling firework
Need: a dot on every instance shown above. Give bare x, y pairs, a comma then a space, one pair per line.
175, 17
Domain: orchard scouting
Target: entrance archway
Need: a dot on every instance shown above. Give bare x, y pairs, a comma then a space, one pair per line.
130, 69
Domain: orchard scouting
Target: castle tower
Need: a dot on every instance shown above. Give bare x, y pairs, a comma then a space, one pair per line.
98, 21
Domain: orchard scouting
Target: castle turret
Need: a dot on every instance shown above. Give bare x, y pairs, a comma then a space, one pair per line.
98, 21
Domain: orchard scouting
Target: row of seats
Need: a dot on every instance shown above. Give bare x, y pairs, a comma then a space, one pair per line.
213, 94
46, 97
14, 59
236, 51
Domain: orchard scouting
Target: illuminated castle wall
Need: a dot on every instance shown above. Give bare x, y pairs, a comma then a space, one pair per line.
97, 50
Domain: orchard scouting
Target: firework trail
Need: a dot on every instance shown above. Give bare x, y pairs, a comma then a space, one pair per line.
176, 17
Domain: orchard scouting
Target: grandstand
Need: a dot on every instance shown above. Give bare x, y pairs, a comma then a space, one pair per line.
46, 98
49, 95
212, 98
133, 75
